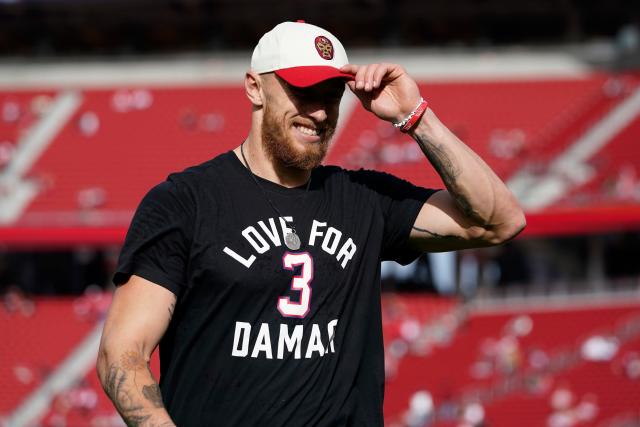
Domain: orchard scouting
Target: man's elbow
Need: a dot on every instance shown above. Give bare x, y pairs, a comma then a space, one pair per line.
509, 229
106, 359
102, 363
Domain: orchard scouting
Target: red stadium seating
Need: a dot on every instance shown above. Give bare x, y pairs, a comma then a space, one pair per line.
448, 369
539, 110
509, 399
18, 111
612, 393
424, 309
70, 407
570, 125
122, 141
32, 345
616, 178
135, 148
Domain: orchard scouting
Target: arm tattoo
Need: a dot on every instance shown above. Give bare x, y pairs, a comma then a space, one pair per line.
436, 235
171, 309
120, 385
152, 393
439, 158
116, 388
449, 171
132, 361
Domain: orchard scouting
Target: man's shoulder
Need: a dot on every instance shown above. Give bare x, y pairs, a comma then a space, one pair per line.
189, 184
375, 182
204, 175
354, 176
204, 170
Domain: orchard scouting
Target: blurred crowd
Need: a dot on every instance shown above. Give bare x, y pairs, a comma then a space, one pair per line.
505, 366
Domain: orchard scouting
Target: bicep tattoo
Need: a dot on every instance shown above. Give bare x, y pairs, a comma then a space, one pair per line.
171, 309
433, 234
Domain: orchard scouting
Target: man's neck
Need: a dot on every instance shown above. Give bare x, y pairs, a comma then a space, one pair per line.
260, 163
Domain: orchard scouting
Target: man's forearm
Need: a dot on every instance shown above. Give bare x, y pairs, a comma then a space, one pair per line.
480, 195
129, 384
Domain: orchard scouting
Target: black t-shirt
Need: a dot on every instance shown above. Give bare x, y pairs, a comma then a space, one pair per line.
263, 335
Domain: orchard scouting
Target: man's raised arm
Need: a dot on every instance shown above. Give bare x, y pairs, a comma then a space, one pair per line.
477, 209
138, 317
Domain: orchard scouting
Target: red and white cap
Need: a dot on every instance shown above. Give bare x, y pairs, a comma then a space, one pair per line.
302, 54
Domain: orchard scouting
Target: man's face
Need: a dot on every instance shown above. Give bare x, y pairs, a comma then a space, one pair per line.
298, 123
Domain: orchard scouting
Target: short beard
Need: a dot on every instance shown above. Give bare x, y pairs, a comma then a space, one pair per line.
280, 147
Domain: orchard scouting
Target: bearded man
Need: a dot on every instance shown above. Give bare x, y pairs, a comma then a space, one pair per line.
258, 271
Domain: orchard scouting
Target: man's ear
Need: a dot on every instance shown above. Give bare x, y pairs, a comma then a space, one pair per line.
253, 88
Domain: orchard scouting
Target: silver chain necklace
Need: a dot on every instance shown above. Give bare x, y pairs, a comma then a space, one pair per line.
291, 240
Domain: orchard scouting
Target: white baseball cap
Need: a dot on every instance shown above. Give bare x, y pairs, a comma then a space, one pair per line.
302, 54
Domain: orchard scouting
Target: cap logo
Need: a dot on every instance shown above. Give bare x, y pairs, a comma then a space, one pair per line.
324, 47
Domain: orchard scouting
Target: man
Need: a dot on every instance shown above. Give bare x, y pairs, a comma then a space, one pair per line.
258, 271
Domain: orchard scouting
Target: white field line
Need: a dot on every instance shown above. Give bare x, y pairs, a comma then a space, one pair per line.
13, 203
29, 150
41, 134
570, 168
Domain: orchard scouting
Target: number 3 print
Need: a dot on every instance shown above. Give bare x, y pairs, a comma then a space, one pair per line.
299, 283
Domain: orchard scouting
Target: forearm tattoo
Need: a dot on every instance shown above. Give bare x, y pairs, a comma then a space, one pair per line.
449, 170
121, 387
152, 393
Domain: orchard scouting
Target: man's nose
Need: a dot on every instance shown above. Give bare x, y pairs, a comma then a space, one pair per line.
318, 112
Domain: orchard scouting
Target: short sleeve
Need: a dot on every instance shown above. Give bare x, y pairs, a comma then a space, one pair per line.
158, 241
400, 202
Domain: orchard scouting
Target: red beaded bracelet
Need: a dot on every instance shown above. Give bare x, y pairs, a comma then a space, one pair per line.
413, 117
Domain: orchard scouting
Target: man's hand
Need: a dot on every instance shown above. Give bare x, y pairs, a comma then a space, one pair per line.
384, 89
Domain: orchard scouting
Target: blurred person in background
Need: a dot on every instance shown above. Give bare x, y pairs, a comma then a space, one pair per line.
421, 410
258, 271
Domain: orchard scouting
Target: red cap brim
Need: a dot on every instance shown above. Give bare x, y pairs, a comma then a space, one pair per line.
310, 75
